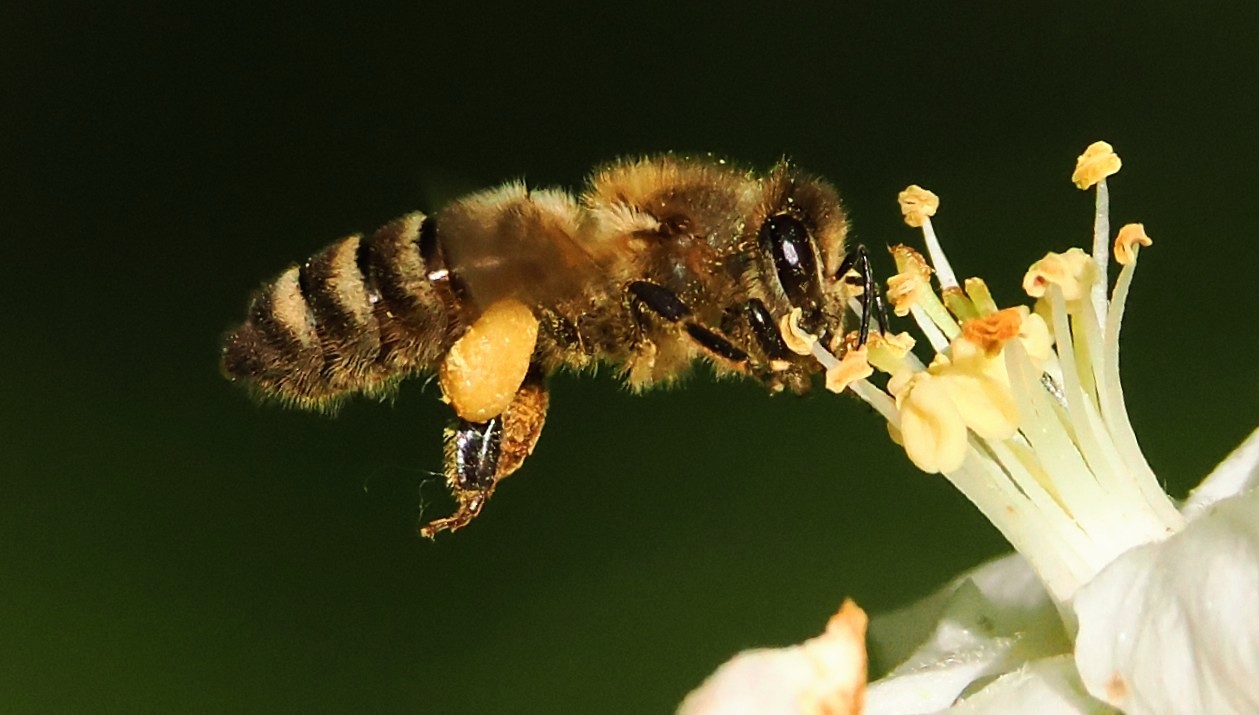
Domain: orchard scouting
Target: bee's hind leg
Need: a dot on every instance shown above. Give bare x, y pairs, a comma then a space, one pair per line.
480, 454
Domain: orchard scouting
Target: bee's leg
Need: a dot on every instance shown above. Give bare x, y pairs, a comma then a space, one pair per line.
666, 304
480, 454
473, 450
766, 331
522, 423
871, 298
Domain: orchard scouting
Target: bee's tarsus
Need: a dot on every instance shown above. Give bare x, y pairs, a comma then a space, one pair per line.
470, 504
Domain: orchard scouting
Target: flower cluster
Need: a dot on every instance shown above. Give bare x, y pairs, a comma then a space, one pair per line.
1116, 597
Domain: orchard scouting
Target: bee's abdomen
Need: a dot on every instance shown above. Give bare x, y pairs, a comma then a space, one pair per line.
356, 317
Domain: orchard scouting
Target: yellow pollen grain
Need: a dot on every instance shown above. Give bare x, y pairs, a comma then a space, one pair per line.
1130, 237
992, 331
852, 367
798, 341
917, 205
1097, 162
779, 365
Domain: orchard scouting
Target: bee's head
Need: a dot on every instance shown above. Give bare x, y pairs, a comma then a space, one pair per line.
799, 228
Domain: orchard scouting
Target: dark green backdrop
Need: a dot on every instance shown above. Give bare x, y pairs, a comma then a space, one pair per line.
165, 545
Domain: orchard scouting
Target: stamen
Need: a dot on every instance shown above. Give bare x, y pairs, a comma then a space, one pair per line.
1127, 242
910, 292
797, 339
1097, 162
918, 205
1073, 272
980, 296
851, 368
890, 353
1022, 411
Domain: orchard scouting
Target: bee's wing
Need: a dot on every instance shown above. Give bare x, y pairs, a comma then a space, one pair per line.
514, 243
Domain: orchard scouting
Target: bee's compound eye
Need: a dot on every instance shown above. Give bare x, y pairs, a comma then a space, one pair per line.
788, 242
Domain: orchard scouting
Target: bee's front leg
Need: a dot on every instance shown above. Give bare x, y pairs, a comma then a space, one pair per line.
857, 261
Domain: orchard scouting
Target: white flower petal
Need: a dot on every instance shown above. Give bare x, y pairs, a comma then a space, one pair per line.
1050, 686
826, 674
1009, 585
986, 623
1173, 627
1237, 473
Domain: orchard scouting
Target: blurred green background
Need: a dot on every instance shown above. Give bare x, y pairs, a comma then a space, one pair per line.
165, 545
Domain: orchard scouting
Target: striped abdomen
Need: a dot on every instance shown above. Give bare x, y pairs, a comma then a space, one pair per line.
357, 317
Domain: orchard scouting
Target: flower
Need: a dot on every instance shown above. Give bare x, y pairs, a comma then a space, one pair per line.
824, 675
1116, 598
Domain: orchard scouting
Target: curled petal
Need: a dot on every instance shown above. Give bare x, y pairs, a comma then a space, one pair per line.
1170, 627
1097, 162
988, 621
1046, 687
1238, 473
822, 676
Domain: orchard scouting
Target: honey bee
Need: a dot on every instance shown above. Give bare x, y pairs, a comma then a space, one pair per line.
658, 263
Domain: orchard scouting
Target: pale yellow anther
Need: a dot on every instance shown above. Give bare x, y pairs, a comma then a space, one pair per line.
1097, 162
932, 429
887, 351
1126, 243
1074, 272
979, 294
908, 260
852, 367
905, 288
991, 332
917, 205
1036, 337
984, 401
958, 303
798, 341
